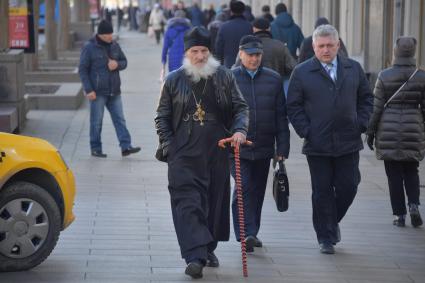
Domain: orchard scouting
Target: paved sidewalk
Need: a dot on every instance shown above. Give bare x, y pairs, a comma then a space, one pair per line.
124, 231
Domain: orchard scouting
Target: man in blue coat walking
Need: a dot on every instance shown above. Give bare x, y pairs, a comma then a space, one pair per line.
329, 104
268, 125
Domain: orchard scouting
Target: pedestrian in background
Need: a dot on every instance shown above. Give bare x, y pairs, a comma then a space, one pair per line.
286, 30
266, 13
173, 47
157, 21
100, 63
230, 33
200, 104
329, 104
306, 49
268, 125
397, 127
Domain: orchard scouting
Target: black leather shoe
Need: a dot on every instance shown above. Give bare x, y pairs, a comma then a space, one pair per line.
250, 244
212, 260
399, 221
98, 153
130, 150
194, 269
327, 248
415, 216
258, 243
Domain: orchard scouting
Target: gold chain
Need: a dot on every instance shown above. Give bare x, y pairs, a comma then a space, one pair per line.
199, 114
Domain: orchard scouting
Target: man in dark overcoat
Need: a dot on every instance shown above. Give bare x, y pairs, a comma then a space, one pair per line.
200, 104
329, 104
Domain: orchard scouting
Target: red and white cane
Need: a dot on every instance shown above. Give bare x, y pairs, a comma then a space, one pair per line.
239, 197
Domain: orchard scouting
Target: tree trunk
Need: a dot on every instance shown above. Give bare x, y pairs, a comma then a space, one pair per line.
63, 38
50, 31
4, 25
81, 10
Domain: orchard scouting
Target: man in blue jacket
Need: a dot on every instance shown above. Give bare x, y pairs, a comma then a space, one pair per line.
100, 62
329, 104
268, 125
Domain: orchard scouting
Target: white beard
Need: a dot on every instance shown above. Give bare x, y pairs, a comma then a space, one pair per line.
198, 73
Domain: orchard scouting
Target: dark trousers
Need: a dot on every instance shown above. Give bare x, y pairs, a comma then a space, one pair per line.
254, 180
402, 175
334, 183
158, 35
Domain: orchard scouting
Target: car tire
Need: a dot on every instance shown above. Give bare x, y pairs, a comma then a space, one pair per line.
25, 210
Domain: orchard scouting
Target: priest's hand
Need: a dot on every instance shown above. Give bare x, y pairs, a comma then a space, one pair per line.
238, 139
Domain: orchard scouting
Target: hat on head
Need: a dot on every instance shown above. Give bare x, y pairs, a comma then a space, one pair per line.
237, 7
321, 21
280, 8
251, 44
405, 46
105, 27
197, 36
261, 23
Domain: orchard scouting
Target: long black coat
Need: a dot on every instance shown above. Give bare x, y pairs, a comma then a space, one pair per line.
400, 133
268, 123
329, 116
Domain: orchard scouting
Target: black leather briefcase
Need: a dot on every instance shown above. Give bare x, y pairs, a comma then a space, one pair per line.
281, 187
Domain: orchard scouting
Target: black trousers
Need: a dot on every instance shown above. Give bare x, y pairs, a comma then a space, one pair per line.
334, 183
402, 175
254, 181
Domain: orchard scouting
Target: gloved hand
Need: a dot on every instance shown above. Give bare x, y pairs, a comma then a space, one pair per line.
369, 141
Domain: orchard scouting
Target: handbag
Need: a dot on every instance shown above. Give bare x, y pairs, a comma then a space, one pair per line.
281, 187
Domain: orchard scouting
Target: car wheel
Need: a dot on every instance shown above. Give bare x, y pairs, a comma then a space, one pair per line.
30, 223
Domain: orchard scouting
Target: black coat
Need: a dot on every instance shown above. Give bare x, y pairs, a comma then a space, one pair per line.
400, 133
228, 37
329, 116
175, 94
268, 123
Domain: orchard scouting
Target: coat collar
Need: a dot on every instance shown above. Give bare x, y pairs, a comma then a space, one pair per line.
343, 65
404, 61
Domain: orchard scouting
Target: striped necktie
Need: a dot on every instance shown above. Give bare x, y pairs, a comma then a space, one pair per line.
331, 71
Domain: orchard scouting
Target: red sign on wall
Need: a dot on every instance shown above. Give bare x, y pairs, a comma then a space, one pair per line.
18, 24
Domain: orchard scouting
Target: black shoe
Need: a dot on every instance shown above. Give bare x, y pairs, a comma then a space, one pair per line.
250, 244
194, 269
98, 153
327, 248
258, 243
400, 221
415, 216
212, 260
130, 150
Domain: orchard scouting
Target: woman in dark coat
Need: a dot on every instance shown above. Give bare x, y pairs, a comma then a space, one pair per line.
398, 129
173, 41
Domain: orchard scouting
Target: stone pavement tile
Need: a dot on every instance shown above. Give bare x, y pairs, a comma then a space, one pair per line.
45, 277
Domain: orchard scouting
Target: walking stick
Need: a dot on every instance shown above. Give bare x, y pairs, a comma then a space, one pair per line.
239, 197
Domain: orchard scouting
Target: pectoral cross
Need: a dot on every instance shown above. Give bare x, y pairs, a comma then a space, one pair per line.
199, 114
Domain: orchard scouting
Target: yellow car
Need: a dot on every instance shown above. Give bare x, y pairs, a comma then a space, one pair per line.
37, 191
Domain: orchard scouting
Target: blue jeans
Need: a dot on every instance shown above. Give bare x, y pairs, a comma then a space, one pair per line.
114, 106
254, 181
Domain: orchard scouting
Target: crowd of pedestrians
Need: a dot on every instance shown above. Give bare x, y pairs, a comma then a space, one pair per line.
233, 75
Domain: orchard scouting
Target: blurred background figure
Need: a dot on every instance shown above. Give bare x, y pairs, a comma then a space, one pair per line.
173, 47
213, 28
209, 15
196, 15
397, 127
157, 21
266, 13
248, 14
